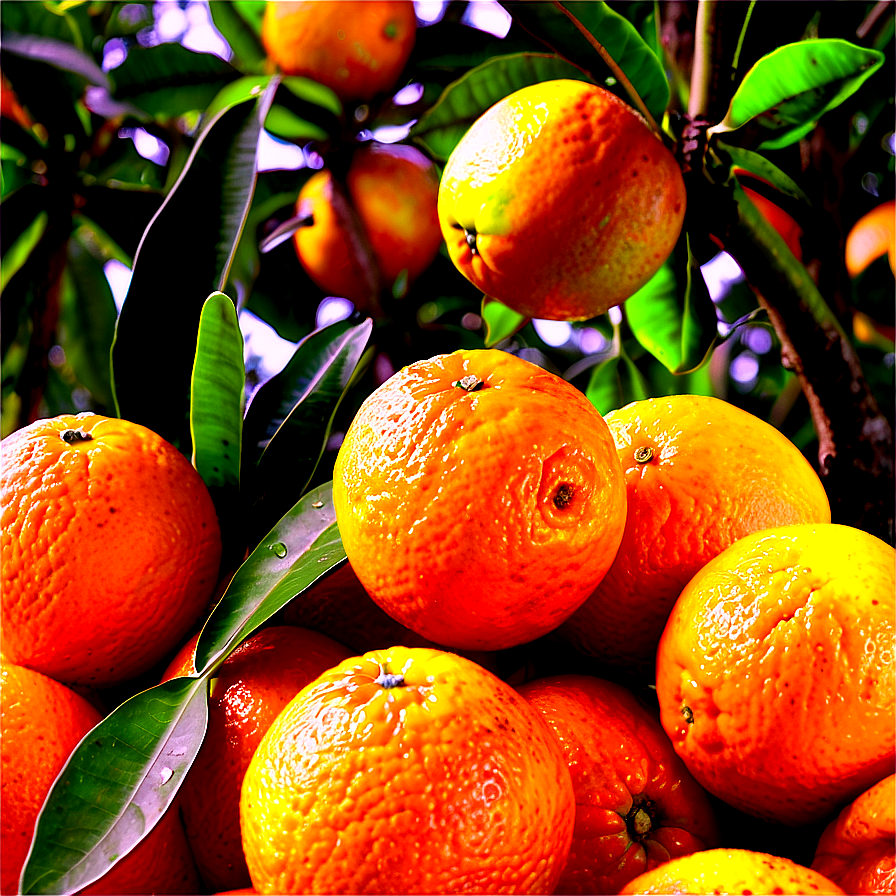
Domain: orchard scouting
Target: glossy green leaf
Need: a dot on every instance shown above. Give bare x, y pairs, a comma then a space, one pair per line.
312, 92
184, 256
216, 396
760, 166
58, 53
302, 547
789, 89
672, 315
284, 123
553, 24
615, 383
115, 786
231, 20
290, 417
21, 249
500, 321
442, 126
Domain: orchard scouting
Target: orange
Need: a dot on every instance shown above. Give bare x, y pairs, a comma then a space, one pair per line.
872, 236
358, 49
479, 499
42, 722
731, 871
858, 848
110, 548
775, 671
636, 804
407, 771
560, 201
388, 207
253, 685
700, 473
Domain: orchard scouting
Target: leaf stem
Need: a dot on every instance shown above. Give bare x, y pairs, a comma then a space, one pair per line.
618, 73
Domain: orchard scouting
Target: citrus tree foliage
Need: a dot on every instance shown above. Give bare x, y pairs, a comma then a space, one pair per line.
798, 94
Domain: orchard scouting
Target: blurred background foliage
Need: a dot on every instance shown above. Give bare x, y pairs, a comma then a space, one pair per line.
104, 102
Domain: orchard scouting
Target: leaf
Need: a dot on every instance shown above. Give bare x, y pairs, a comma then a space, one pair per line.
116, 785
676, 324
216, 398
249, 55
501, 322
615, 383
442, 126
58, 53
760, 166
290, 417
18, 253
303, 546
550, 23
789, 89
187, 250
284, 123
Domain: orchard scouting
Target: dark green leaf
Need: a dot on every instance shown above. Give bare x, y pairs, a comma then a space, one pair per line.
615, 383
672, 315
116, 785
290, 417
303, 546
17, 254
184, 256
216, 397
58, 53
311, 92
760, 166
500, 321
249, 55
462, 102
551, 23
789, 89
284, 123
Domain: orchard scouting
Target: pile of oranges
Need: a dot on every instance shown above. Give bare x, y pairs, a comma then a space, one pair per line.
483, 505
380, 735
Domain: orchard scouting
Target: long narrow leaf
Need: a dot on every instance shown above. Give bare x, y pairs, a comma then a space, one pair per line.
303, 546
116, 785
500, 321
184, 256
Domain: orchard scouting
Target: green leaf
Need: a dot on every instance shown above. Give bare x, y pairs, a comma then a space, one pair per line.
500, 321
290, 418
184, 256
116, 785
442, 126
21, 249
216, 397
615, 383
551, 23
58, 53
789, 89
284, 123
760, 166
676, 324
230, 19
302, 547
312, 92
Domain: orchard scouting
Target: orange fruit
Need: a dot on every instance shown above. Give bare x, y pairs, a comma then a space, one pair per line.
636, 804
42, 722
392, 192
775, 671
700, 474
571, 245
731, 871
407, 771
787, 227
358, 49
872, 236
253, 685
110, 548
858, 848
479, 499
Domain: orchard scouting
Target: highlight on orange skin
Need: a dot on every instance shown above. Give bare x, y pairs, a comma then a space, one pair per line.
872, 236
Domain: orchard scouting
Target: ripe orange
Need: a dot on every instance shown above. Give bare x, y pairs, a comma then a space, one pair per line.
571, 245
636, 804
358, 49
253, 685
700, 473
872, 236
731, 871
42, 722
479, 499
858, 848
110, 548
775, 673
392, 191
407, 771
